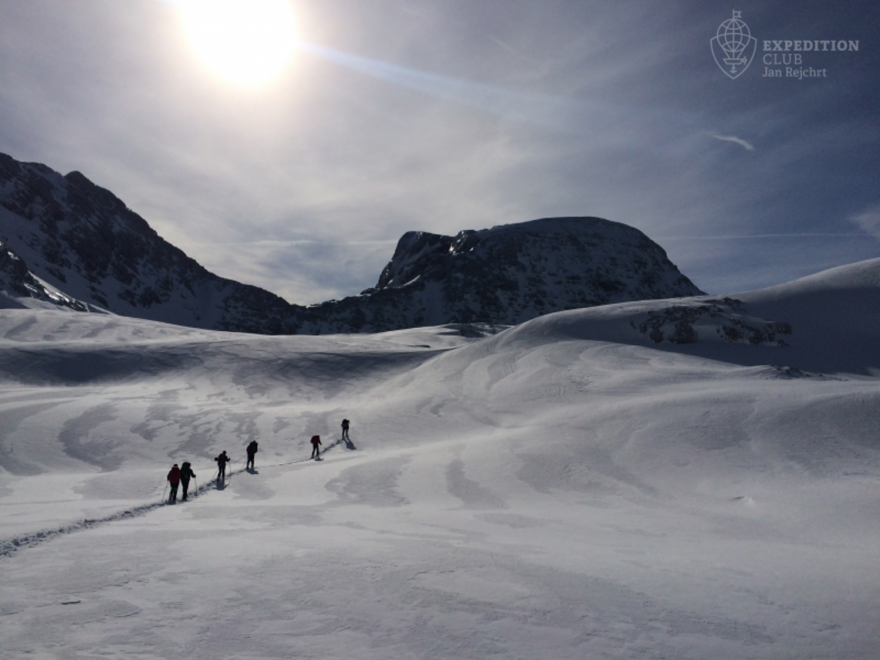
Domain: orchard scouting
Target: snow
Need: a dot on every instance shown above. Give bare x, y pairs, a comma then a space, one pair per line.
564, 489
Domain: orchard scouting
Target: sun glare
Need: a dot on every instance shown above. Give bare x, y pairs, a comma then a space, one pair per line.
247, 42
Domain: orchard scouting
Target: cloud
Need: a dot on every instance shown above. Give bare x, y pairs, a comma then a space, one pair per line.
869, 220
300, 271
748, 146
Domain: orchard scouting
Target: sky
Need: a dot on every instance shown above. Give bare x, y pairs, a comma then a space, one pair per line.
400, 115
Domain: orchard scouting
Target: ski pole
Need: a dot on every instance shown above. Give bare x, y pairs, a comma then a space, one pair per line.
164, 491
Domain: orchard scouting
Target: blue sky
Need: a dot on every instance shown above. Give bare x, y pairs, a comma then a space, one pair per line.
462, 114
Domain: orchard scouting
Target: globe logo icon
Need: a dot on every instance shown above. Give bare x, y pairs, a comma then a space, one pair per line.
733, 46
733, 37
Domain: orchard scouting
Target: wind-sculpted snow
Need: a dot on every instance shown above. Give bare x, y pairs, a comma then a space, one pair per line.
545, 492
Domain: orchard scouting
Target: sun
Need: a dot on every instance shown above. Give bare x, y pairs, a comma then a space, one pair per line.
246, 42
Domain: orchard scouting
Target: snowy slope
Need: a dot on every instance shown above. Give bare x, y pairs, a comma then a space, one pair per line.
541, 493
825, 323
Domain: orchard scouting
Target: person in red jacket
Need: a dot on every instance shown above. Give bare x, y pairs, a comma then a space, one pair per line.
316, 444
174, 480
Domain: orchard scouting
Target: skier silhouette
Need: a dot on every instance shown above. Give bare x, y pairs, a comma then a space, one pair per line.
345, 424
316, 444
174, 480
186, 474
251, 453
222, 460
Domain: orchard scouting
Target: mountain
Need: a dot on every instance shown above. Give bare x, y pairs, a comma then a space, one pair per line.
508, 274
82, 240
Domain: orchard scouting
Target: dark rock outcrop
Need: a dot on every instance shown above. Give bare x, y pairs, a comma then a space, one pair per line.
85, 241
18, 283
509, 274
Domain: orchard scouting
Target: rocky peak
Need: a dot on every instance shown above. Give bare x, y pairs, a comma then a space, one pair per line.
510, 273
83, 240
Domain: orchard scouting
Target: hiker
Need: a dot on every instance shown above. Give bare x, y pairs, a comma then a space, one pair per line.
345, 424
174, 480
186, 474
222, 460
251, 452
316, 443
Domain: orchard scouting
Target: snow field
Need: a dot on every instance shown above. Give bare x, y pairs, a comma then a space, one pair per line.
537, 494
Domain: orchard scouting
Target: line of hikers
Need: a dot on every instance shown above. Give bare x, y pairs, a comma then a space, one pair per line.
180, 476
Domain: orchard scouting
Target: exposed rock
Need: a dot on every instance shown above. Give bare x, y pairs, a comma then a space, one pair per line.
509, 274
17, 283
723, 318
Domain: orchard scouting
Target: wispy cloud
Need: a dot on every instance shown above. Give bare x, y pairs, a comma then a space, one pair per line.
732, 138
749, 237
869, 220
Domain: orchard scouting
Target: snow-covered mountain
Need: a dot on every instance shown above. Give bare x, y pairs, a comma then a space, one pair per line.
83, 241
506, 275
572, 487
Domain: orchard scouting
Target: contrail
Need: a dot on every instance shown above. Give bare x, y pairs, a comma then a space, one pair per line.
533, 108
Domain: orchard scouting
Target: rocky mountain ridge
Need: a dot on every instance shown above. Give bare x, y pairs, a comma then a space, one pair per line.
66, 238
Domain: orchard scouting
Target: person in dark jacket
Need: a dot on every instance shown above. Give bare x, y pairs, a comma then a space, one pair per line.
251, 453
316, 444
345, 424
222, 460
186, 474
174, 481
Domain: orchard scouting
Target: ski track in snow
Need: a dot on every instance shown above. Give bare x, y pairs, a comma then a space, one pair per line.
8, 547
